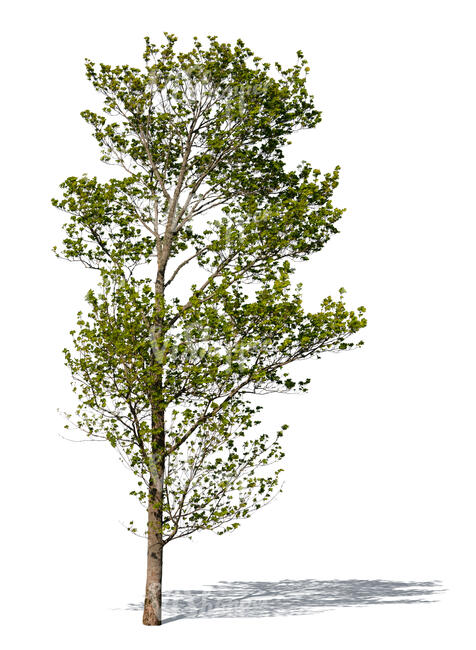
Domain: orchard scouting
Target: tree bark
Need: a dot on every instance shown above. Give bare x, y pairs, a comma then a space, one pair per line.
153, 589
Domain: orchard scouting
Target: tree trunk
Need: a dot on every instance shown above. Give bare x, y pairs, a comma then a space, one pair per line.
155, 545
153, 588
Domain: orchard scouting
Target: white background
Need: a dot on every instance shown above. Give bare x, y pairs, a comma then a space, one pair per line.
380, 453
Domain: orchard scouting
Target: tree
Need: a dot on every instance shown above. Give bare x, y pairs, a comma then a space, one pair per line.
194, 315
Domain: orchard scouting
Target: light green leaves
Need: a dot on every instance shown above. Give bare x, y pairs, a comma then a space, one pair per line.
195, 315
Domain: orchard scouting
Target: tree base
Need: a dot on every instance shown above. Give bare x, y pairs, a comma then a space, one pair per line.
150, 616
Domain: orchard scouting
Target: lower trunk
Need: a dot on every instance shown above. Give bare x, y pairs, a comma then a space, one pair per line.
153, 589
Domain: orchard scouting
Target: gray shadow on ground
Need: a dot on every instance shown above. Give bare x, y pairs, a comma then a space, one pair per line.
290, 597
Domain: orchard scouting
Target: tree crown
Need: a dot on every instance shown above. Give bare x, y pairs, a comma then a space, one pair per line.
199, 139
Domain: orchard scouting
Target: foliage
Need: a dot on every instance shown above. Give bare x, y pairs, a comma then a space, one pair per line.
170, 371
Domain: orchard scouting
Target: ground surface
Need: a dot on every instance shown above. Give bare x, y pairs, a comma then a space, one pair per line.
370, 615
